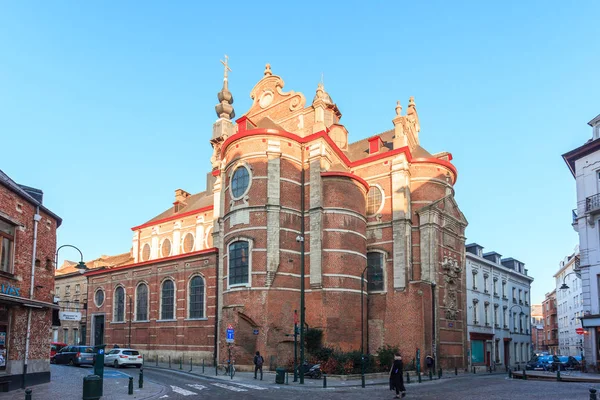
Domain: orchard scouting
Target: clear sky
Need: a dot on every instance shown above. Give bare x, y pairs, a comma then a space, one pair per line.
108, 106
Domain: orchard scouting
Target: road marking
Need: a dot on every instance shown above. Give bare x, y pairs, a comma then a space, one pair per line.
232, 388
182, 391
249, 386
164, 397
196, 386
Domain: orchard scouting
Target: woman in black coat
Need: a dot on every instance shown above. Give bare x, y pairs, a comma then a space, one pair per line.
396, 376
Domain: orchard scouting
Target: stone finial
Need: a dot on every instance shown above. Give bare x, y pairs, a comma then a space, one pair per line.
268, 70
411, 101
398, 108
225, 109
321, 94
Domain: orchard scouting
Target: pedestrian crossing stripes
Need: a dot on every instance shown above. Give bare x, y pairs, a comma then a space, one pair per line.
228, 387
192, 389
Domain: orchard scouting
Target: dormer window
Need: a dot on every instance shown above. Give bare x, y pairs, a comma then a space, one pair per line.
375, 144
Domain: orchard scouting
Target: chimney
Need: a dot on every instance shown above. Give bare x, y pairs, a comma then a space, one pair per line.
180, 199
375, 144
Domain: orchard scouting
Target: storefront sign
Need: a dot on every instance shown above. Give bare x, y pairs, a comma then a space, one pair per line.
10, 290
69, 315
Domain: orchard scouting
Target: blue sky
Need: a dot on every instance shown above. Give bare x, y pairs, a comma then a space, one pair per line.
108, 106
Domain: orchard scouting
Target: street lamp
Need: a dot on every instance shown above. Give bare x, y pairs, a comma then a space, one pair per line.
564, 286
80, 265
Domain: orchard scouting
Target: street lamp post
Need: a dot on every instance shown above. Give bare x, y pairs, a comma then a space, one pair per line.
564, 286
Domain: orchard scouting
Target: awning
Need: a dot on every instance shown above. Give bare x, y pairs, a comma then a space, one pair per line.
25, 302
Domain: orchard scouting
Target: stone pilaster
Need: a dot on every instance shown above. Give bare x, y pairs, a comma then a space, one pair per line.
401, 221
273, 208
176, 248
428, 230
154, 249
316, 222
199, 242
136, 247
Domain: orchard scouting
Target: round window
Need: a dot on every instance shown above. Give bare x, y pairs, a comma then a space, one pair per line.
374, 200
240, 182
188, 243
165, 249
99, 298
146, 252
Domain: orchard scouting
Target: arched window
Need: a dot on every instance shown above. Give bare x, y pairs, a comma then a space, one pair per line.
119, 313
141, 302
375, 272
167, 300
196, 301
238, 263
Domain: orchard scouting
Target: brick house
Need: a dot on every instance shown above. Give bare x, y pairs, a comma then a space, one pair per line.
284, 176
28, 243
550, 322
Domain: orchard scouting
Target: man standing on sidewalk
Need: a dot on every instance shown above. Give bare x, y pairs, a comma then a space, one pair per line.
258, 364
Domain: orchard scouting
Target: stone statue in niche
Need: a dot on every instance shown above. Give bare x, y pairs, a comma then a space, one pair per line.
451, 271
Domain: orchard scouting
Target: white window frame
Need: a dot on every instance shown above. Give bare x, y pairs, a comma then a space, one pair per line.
241, 164
250, 247
382, 199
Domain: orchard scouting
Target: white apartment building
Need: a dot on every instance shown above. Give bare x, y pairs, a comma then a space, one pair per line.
498, 306
569, 305
584, 164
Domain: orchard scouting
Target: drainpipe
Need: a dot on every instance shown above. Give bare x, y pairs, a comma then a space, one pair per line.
36, 218
215, 359
433, 328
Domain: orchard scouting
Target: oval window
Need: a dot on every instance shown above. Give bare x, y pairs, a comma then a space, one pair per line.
188, 243
146, 252
374, 200
240, 182
165, 249
99, 298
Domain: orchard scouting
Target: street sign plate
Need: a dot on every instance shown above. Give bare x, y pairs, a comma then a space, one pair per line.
230, 334
579, 331
255, 332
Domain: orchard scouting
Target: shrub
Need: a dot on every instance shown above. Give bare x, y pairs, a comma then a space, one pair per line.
385, 355
313, 339
323, 353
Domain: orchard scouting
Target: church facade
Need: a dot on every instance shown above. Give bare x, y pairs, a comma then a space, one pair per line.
373, 223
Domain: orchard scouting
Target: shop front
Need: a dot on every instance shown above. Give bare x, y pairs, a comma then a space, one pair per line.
481, 349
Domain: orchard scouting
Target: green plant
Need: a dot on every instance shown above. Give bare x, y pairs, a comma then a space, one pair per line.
323, 353
313, 339
385, 355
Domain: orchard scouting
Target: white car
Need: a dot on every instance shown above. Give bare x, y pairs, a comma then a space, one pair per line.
123, 357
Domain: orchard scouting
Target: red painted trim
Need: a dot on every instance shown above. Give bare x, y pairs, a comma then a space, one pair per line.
347, 175
173, 217
323, 135
159, 260
216, 172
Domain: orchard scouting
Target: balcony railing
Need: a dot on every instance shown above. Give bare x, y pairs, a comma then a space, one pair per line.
592, 203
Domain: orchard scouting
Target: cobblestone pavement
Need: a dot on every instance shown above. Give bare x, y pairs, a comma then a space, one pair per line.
67, 384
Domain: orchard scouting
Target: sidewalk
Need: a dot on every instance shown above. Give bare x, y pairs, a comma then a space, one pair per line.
335, 381
67, 384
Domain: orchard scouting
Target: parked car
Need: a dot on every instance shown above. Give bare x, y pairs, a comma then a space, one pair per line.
540, 363
75, 355
123, 357
55, 348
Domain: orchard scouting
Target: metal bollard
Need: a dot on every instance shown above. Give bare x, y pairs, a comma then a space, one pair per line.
169, 362
28, 394
287, 378
524, 375
407, 377
157, 360
474, 370
141, 378
558, 374
203, 365
455, 371
419, 376
593, 394
430, 375
191, 366
181, 362
325, 381
509, 372
130, 385
362, 380
440, 374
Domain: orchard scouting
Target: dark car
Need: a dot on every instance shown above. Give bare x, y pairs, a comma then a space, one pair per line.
539, 363
75, 355
568, 362
55, 348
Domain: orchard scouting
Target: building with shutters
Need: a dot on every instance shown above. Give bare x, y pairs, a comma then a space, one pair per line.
372, 222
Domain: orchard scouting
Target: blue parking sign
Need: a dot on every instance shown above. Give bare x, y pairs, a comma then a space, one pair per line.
230, 334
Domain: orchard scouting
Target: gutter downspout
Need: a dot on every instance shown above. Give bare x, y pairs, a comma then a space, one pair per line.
215, 359
36, 218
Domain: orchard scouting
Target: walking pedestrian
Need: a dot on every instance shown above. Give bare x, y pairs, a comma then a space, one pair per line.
258, 364
430, 363
396, 376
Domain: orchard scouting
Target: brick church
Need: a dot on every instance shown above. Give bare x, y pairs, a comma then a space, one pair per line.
284, 181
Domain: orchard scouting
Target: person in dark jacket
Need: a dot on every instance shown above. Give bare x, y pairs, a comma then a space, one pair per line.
258, 364
396, 378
